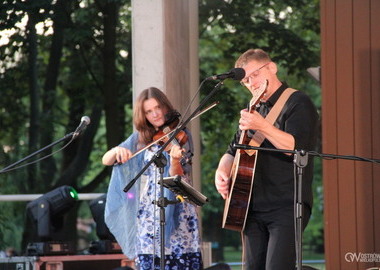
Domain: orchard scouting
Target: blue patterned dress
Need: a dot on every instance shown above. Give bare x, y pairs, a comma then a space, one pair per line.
133, 220
183, 251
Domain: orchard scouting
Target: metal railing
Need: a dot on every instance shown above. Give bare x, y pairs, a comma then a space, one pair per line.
31, 197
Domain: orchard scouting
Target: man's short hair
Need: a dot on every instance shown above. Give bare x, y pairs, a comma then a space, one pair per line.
252, 55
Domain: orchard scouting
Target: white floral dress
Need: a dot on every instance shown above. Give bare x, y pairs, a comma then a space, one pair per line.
184, 249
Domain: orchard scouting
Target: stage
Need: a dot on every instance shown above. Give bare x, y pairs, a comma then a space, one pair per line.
66, 262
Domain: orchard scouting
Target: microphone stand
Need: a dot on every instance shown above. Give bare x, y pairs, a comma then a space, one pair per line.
160, 162
70, 135
300, 161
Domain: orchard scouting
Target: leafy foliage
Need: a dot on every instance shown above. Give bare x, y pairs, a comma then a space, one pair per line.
54, 70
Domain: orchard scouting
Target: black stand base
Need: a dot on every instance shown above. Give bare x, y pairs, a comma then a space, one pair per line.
50, 248
104, 247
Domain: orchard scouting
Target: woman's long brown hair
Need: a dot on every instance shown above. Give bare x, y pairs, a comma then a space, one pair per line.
143, 126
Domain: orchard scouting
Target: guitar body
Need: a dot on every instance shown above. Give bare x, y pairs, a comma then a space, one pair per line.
237, 202
241, 178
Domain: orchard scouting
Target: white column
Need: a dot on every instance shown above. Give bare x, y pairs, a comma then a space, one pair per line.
147, 45
165, 55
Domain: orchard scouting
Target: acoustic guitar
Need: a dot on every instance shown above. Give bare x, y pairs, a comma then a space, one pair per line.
241, 177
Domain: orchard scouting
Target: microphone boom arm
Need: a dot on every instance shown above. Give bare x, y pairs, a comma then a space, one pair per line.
70, 135
85, 121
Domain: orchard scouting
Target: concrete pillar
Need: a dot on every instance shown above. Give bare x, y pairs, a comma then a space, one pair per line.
165, 55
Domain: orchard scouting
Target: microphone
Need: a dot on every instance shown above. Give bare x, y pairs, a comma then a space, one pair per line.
235, 74
84, 122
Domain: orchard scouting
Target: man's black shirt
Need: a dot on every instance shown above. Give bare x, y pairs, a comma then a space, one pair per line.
273, 185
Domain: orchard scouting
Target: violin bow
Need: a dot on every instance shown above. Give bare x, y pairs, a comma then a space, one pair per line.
167, 134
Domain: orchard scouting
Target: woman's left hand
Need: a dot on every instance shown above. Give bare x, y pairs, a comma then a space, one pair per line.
176, 152
175, 157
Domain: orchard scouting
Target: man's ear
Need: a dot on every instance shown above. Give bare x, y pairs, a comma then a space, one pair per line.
273, 67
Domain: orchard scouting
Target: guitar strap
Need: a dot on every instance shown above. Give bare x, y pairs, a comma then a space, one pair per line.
258, 137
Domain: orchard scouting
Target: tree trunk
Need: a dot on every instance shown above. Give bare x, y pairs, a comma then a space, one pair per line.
114, 110
80, 161
61, 11
33, 93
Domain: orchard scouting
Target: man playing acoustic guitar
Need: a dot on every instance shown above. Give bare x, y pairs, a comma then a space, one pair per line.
268, 223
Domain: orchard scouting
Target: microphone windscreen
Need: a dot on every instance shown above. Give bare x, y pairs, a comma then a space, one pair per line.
85, 119
238, 73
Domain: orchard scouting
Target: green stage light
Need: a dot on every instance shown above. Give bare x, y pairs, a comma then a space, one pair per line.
46, 212
73, 193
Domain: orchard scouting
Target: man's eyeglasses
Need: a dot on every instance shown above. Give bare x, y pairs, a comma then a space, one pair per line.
253, 75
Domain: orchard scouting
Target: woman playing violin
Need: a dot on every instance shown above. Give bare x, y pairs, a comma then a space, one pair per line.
132, 217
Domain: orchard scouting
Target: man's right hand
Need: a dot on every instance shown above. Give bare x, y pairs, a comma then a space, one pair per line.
222, 183
222, 175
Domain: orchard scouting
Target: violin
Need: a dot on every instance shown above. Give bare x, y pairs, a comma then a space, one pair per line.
161, 136
171, 122
182, 137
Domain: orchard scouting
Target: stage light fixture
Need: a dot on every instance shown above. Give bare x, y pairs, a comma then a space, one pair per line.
107, 242
97, 207
47, 215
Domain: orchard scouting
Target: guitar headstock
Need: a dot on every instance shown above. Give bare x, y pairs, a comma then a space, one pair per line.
258, 93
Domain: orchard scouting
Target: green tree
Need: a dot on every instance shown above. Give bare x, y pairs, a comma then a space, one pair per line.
71, 67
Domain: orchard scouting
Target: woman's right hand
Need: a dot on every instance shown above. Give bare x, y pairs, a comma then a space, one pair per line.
117, 154
122, 154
